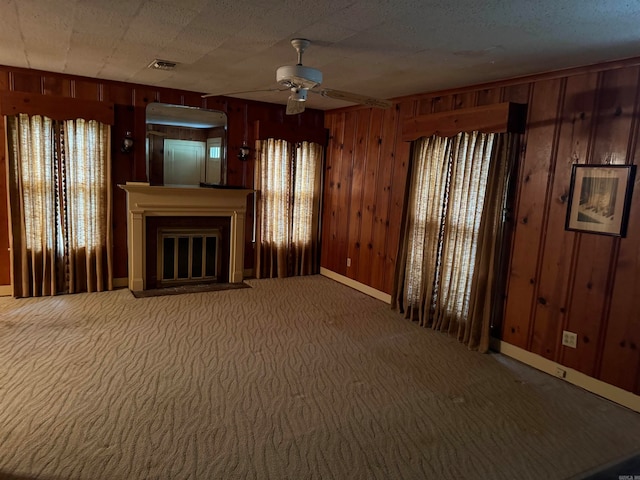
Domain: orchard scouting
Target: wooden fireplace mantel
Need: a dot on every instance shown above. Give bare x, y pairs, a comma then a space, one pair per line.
145, 200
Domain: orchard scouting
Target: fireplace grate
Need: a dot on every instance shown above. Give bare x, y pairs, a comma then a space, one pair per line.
187, 256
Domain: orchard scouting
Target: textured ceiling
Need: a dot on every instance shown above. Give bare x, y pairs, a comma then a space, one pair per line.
382, 48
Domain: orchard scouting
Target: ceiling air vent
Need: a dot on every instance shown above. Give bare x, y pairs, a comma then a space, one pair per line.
162, 64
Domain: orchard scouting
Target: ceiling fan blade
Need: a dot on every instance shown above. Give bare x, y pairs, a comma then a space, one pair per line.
294, 106
207, 95
353, 97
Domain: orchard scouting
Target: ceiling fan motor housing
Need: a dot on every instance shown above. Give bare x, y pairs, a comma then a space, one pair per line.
298, 76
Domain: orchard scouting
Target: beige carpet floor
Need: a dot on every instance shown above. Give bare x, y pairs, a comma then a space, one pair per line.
300, 378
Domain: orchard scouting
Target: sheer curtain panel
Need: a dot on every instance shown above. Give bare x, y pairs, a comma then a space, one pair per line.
60, 205
288, 194
87, 205
453, 234
33, 173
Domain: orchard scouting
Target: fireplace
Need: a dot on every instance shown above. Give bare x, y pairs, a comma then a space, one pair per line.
154, 208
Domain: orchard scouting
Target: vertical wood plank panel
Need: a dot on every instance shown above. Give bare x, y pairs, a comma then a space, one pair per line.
235, 137
358, 160
620, 355
5, 257
237, 134
616, 103
533, 188
119, 94
56, 85
576, 126
248, 165
398, 193
382, 223
425, 105
192, 99
4, 80
334, 251
620, 364
488, 96
86, 90
174, 97
30, 82
587, 301
442, 104
5, 275
370, 195
121, 172
344, 187
519, 93
247, 181
142, 96
464, 100
329, 204
597, 254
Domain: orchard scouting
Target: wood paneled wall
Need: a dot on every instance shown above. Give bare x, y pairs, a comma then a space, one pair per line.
557, 280
130, 102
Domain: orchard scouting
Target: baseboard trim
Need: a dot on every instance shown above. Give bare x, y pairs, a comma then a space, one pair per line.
361, 287
6, 291
593, 385
120, 282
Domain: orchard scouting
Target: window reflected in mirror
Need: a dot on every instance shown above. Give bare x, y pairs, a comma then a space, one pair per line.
185, 145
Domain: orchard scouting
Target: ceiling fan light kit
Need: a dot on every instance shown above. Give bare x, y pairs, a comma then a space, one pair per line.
298, 94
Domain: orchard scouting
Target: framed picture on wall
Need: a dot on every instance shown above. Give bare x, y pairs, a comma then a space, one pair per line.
599, 199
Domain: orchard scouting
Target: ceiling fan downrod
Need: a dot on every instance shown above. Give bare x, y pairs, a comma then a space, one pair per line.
300, 44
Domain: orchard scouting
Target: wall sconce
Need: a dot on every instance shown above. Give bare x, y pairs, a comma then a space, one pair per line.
243, 154
127, 143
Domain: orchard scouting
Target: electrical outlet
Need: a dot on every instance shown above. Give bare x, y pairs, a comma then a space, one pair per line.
561, 372
348, 262
569, 339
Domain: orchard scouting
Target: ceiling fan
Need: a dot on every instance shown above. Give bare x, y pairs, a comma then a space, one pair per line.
300, 80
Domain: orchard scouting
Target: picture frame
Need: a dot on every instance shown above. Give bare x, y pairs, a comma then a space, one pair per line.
600, 198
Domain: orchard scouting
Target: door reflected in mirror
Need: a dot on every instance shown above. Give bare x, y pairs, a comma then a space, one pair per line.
186, 145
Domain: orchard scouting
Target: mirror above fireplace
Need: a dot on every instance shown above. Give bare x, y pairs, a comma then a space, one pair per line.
185, 145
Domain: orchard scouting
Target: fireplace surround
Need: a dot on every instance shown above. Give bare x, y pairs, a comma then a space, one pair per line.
144, 201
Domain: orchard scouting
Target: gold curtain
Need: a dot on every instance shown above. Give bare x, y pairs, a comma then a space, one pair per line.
60, 205
486, 302
33, 199
446, 272
288, 205
88, 206
306, 208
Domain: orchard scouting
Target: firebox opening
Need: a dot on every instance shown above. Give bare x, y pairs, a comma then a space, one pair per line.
186, 250
188, 256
